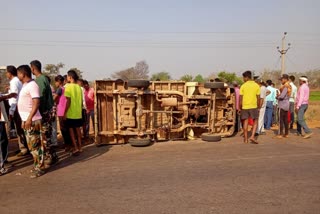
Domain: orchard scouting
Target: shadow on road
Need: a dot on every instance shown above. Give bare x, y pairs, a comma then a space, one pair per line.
90, 151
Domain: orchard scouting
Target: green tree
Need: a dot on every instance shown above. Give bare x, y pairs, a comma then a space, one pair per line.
229, 77
163, 76
186, 78
226, 76
53, 70
199, 78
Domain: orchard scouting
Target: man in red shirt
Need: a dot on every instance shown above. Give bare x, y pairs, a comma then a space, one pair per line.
89, 98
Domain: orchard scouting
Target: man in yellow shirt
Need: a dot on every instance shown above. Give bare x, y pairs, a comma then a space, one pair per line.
249, 105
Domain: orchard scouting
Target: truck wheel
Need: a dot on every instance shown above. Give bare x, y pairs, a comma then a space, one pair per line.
214, 85
138, 83
210, 137
139, 142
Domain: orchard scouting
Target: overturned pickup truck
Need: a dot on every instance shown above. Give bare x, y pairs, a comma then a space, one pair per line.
140, 112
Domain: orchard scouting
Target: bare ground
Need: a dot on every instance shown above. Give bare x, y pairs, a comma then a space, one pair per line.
276, 176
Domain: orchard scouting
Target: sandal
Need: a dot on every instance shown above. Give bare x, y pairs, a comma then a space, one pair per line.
253, 141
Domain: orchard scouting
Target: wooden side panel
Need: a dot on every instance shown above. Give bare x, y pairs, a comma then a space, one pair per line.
103, 109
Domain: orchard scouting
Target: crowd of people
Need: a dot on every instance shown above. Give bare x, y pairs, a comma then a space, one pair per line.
35, 106
34, 109
264, 105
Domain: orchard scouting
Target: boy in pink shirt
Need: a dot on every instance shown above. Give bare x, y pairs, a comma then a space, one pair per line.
28, 107
61, 102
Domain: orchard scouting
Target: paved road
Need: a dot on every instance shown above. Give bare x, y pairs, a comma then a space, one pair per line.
174, 177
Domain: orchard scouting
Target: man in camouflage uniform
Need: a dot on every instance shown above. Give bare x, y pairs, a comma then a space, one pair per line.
28, 107
46, 105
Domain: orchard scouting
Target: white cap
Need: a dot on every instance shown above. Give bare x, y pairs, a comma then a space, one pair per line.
303, 79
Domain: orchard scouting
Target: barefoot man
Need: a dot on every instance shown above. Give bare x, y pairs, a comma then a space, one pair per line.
249, 105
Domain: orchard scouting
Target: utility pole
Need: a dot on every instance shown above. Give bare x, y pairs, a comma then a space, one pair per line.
283, 52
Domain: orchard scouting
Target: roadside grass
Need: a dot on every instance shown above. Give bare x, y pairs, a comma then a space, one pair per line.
314, 95
313, 112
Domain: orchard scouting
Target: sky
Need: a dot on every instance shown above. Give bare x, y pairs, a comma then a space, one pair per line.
176, 36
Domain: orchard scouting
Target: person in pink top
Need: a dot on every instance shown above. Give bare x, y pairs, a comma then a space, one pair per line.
302, 101
61, 102
89, 98
28, 108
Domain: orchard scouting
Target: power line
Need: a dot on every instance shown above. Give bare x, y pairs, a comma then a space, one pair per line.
136, 46
225, 42
294, 64
149, 42
137, 32
132, 43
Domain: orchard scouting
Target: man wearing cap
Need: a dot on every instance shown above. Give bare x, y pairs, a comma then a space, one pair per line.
302, 102
283, 104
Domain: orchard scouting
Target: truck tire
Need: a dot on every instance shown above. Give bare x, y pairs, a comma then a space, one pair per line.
138, 83
139, 142
210, 137
214, 85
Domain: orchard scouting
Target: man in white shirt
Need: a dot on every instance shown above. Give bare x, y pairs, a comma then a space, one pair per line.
15, 87
292, 99
263, 103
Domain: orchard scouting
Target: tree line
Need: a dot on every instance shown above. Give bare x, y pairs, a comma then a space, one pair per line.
141, 71
51, 70
313, 76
